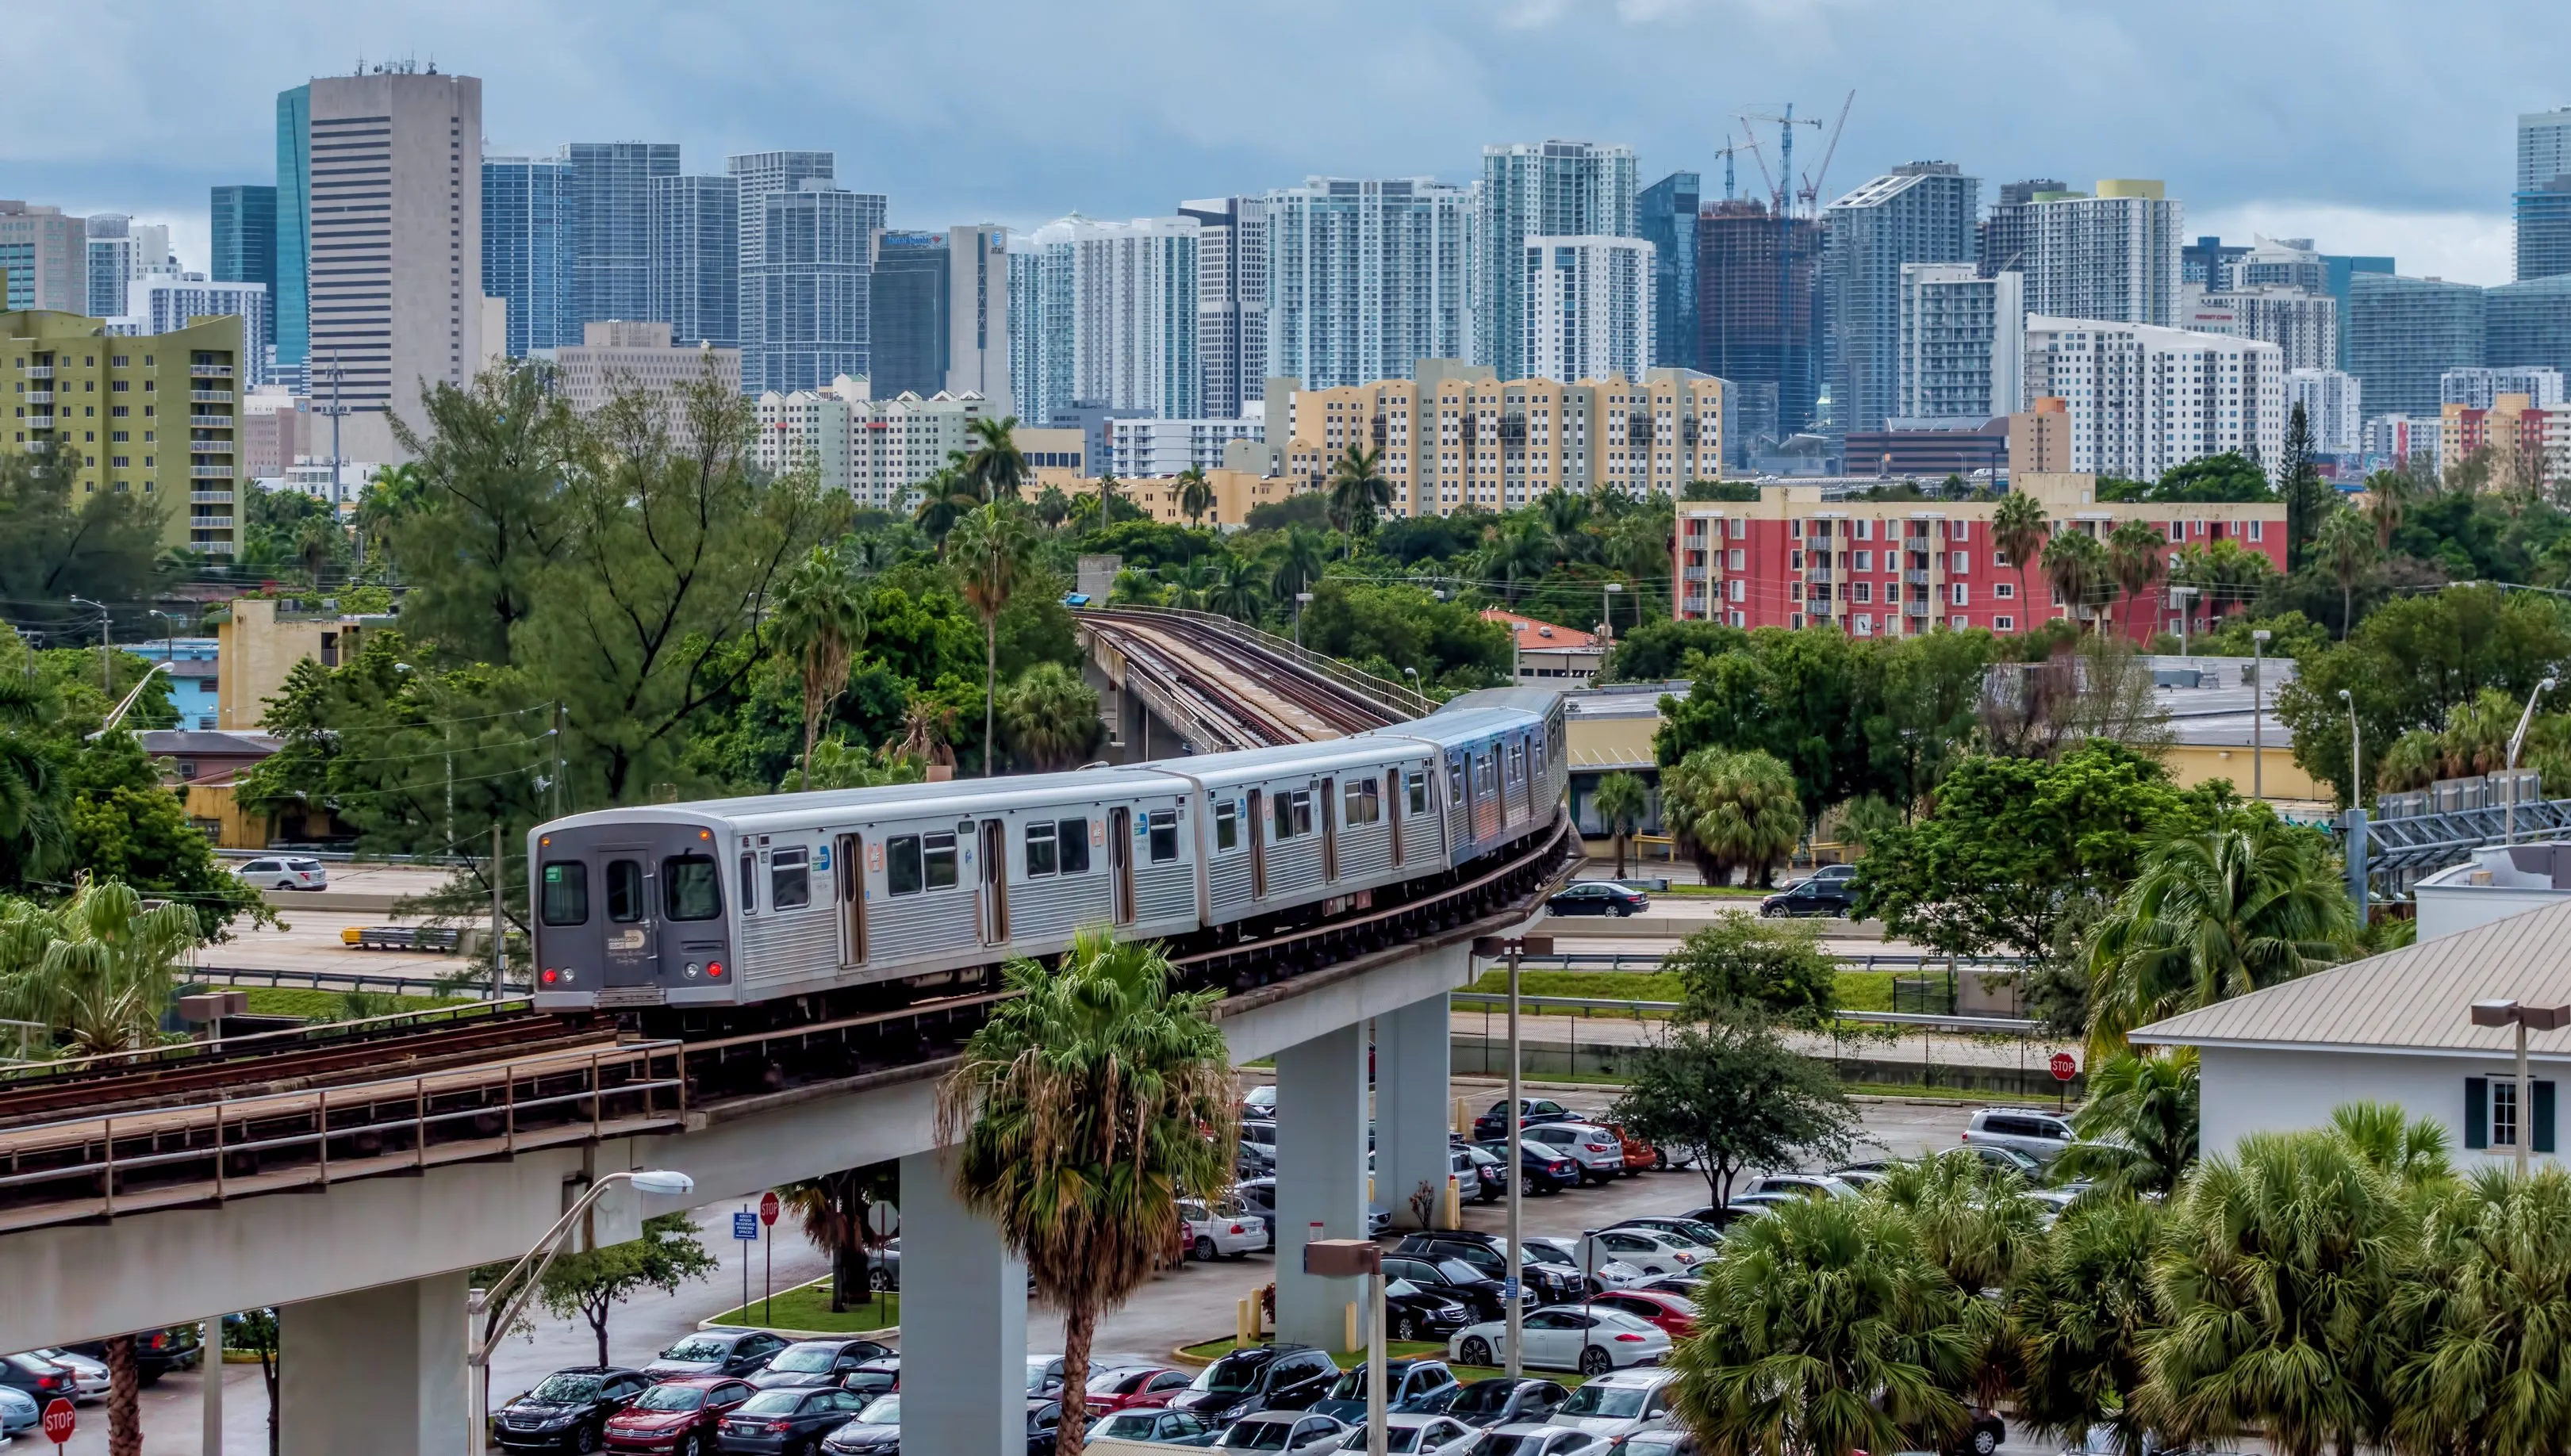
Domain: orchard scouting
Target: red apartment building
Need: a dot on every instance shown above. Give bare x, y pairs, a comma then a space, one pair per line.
1899, 568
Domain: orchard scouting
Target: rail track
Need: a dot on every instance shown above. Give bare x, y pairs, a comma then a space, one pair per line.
1192, 667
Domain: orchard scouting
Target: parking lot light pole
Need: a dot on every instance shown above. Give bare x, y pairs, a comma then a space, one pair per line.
1513, 1289
2522, 1016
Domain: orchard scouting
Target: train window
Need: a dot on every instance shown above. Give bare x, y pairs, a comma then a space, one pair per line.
1420, 794
1040, 856
1165, 835
1227, 823
749, 880
624, 891
938, 855
1293, 813
565, 892
1455, 780
1072, 836
1482, 769
1364, 802
691, 887
790, 879
901, 866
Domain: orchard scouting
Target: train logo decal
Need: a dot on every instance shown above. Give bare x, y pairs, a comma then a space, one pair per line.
626, 940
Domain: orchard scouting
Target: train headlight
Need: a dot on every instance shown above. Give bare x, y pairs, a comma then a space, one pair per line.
691, 971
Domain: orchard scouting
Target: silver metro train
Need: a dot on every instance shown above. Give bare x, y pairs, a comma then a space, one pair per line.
737, 901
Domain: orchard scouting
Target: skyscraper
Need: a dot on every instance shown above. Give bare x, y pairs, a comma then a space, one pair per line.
755, 174
1231, 299
530, 250
47, 258
1545, 189
1103, 316
120, 248
1366, 277
1588, 308
695, 277
2002, 239
2405, 332
1665, 214
1759, 319
2145, 399
2113, 257
977, 349
1920, 212
908, 329
808, 287
245, 242
1963, 342
294, 230
2528, 325
2543, 194
611, 215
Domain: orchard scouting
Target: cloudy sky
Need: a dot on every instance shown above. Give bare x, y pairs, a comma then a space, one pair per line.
2372, 125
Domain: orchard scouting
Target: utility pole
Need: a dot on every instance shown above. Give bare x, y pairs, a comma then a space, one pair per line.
1513, 1287
2257, 697
105, 684
499, 947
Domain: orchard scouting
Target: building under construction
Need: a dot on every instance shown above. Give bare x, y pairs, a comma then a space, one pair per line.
1759, 312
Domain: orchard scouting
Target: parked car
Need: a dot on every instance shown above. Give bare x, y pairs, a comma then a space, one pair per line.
1812, 897
1587, 1340
787, 1421
1479, 1175
1811, 1185
569, 1409
875, 1377
2041, 1135
1546, 1169
1158, 1427
1828, 874
1488, 1127
1685, 1287
38, 1377
19, 1412
1640, 1157
1670, 1310
876, 1431
1120, 1387
1613, 1274
1044, 1424
1283, 1432
1498, 1400
1720, 1215
1599, 1152
293, 873
1648, 1249
1252, 1161
2010, 1159
1451, 1281
88, 1377
1263, 1378
1263, 1136
1259, 1103
883, 1266
1489, 1255
816, 1362
1620, 1404
718, 1351
1418, 1383
1412, 1434
1655, 1443
1702, 1235
678, 1417
1418, 1313
1986, 1434
1232, 1233
1533, 1440
156, 1352
1598, 897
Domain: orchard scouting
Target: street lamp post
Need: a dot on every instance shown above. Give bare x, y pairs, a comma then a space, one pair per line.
1299, 598
2514, 740
1607, 607
2258, 728
1516, 671
2521, 1016
478, 1344
2355, 753
105, 684
2184, 599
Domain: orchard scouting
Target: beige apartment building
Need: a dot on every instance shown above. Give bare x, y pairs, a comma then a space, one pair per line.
1458, 435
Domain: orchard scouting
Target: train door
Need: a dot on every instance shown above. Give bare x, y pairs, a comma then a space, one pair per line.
1394, 804
853, 899
633, 932
1120, 862
995, 881
1330, 830
1257, 844
686, 900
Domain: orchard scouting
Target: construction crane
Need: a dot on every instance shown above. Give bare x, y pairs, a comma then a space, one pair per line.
1727, 152
1810, 195
1781, 188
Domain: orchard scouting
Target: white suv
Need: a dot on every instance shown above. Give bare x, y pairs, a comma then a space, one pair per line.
1599, 1152
2041, 1135
285, 875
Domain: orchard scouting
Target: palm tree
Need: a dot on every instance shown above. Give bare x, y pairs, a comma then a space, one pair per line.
1619, 801
833, 1212
946, 496
1296, 561
1733, 809
1106, 498
1359, 492
1052, 507
2482, 1314
2019, 527
1195, 497
35, 794
2138, 1130
994, 554
2411, 1151
2346, 545
2083, 1317
2212, 916
2076, 566
821, 619
1518, 550
927, 734
1190, 582
992, 461
1824, 1329
1094, 1098
2134, 551
1240, 587
1977, 1222
1052, 718
2388, 500
1564, 518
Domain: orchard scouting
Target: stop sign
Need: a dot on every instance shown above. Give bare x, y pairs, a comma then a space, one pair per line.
57, 1420
767, 1207
2064, 1069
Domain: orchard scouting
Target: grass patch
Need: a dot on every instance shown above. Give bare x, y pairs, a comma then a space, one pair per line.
1398, 1349
1866, 990
331, 1005
1858, 990
808, 1306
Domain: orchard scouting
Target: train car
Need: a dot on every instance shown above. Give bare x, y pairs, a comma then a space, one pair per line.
1289, 831
1506, 769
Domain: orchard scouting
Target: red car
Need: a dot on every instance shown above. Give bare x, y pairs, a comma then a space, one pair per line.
1674, 1313
676, 1417
1640, 1157
1132, 1386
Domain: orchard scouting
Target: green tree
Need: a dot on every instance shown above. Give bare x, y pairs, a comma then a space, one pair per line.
2388, 500
1240, 587
492, 516
2075, 565
1384, 628
1195, 497
2230, 476
1359, 493
994, 556
1974, 1219
1053, 506
1744, 965
2213, 915
1794, 695
832, 1210
125, 825
2138, 1130
590, 1283
57, 542
1620, 800
100, 969
947, 497
2482, 1314
1050, 718
2303, 485
1296, 561
2083, 1318
2344, 547
2020, 528
993, 462
822, 619
1657, 652
1090, 1101
35, 783
1822, 1330
1732, 810
1732, 1096
1518, 550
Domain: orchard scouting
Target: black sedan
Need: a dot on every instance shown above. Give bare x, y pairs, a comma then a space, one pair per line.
717, 1351
1488, 1125
1812, 897
1044, 1424
1599, 897
1413, 1314
1499, 1401
1449, 1280
568, 1409
817, 1362
790, 1422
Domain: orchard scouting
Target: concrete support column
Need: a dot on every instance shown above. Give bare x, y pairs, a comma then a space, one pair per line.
963, 1322
1321, 1179
210, 1365
1412, 1111
378, 1369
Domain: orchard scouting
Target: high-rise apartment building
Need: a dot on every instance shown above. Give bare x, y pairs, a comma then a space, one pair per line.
530, 250
876, 450
1104, 315
809, 286
152, 417
2145, 399
1665, 217
1143, 449
384, 172
2481, 388
611, 215
1231, 301
1758, 319
2334, 407
1366, 277
2528, 324
164, 300
245, 242
120, 250
907, 330
1551, 190
2338, 269
2543, 194
46, 256
2525, 446
754, 175
2211, 264
695, 275
2113, 257
1962, 342
2404, 334
622, 356
2002, 239
1920, 212
1587, 307
2304, 324
2280, 262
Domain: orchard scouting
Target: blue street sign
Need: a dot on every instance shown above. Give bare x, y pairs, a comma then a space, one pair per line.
1508, 1289
745, 1226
